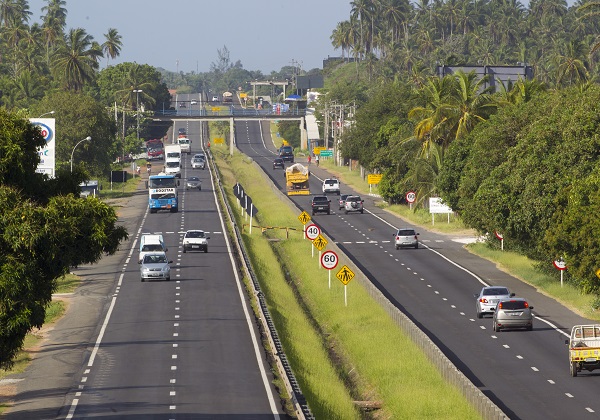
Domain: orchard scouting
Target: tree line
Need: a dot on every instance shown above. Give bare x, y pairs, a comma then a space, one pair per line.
522, 160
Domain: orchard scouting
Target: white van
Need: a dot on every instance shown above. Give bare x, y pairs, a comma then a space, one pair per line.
151, 243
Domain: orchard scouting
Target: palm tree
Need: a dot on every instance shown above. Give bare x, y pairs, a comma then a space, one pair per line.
590, 11
14, 13
75, 60
571, 64
112, 46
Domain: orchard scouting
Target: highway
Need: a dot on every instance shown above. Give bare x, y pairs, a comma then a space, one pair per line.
525, 373
187, 348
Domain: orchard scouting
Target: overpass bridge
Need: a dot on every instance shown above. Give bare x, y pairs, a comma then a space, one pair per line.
233, 114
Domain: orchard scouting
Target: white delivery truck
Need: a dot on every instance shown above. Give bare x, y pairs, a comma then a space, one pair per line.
151, 243
173, 160
185, 143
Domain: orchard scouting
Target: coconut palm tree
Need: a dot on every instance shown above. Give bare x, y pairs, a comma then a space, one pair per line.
75, 61
112, 46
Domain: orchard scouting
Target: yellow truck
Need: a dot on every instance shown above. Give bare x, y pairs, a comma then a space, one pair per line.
584, 348
296, 180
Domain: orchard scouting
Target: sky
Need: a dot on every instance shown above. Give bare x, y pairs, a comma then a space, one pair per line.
184, 35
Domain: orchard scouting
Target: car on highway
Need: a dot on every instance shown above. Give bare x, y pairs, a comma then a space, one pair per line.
195, 240
182, 132
406, 238
331, 186
198, 163
343, 200
182, 105
320, 204
193, 102
155, 266
278, 163
488, 298
513, 313
193, 183
215, 99
353, 203
200, 155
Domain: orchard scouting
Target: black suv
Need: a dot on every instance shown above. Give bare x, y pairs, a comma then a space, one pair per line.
321, 203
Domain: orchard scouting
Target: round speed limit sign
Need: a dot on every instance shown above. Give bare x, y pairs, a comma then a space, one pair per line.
411, 197
312, 231
329, 260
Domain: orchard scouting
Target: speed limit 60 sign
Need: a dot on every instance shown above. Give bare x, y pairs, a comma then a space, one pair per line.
312, 231
411, 197
329, 260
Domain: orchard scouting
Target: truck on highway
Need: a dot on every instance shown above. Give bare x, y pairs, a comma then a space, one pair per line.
185, 143
227, 97
155, 149
162, 193
584, 348
296, 180
173, 160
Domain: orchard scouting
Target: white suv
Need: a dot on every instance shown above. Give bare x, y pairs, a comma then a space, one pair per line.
331, 185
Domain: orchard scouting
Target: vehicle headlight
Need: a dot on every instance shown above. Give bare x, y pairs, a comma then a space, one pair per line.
166, 268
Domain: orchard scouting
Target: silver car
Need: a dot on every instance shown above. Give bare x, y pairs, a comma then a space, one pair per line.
198, 163
488, 298
353, 203
155, 266
513, 313
406, 238
193, 182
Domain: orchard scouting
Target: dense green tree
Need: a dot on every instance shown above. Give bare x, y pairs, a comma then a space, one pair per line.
40, 239
75, 61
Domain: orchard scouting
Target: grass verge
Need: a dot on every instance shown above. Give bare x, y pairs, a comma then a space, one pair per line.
339, 354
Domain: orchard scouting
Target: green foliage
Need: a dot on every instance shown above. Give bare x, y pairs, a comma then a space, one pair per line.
290, 130
41, 236
78, 116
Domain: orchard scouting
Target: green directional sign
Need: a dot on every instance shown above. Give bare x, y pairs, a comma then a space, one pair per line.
326, 153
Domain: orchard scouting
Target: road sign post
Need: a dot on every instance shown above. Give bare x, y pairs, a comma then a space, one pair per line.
560, 265
411, 196
329, 260
345, 275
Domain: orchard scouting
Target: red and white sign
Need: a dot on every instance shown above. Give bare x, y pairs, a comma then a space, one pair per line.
312, 231
498, 235
411, 196
329, 260
560, 265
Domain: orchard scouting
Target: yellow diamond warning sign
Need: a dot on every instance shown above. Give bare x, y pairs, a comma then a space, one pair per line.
345, 275
320, 242
304, 218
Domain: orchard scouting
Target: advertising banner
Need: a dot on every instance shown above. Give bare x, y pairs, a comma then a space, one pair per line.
47, 153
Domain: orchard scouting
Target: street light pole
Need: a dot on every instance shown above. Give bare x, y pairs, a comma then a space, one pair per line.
137, 111
46, 113
88, 138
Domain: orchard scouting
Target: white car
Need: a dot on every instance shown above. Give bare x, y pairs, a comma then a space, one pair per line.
193, 102
488, 298
198, 163
195, 240
215, 99
331, 185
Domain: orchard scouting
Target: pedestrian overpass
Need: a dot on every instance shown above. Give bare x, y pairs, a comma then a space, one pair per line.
233, 114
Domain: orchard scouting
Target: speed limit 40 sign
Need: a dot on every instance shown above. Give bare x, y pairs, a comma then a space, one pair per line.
312, 231
329, 260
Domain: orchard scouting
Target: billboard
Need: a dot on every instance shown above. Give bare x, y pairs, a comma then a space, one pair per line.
47, 153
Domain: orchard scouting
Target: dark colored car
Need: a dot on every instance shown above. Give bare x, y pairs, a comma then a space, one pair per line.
278, 163
182, 131
321, 204
286, 153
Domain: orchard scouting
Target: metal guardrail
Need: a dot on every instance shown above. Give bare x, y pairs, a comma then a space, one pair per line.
299, 401
230, 111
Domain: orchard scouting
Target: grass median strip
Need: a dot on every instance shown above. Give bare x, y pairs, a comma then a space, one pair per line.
338, 353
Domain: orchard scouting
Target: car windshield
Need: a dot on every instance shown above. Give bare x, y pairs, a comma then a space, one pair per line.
194, 178
513, 304
317, 199
172, 164
353, 199
198, 160
406, 232
155, 259
195, 234
496, 291
331, 181
152, 247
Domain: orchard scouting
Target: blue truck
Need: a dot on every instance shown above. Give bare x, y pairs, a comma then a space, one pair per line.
162, 193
